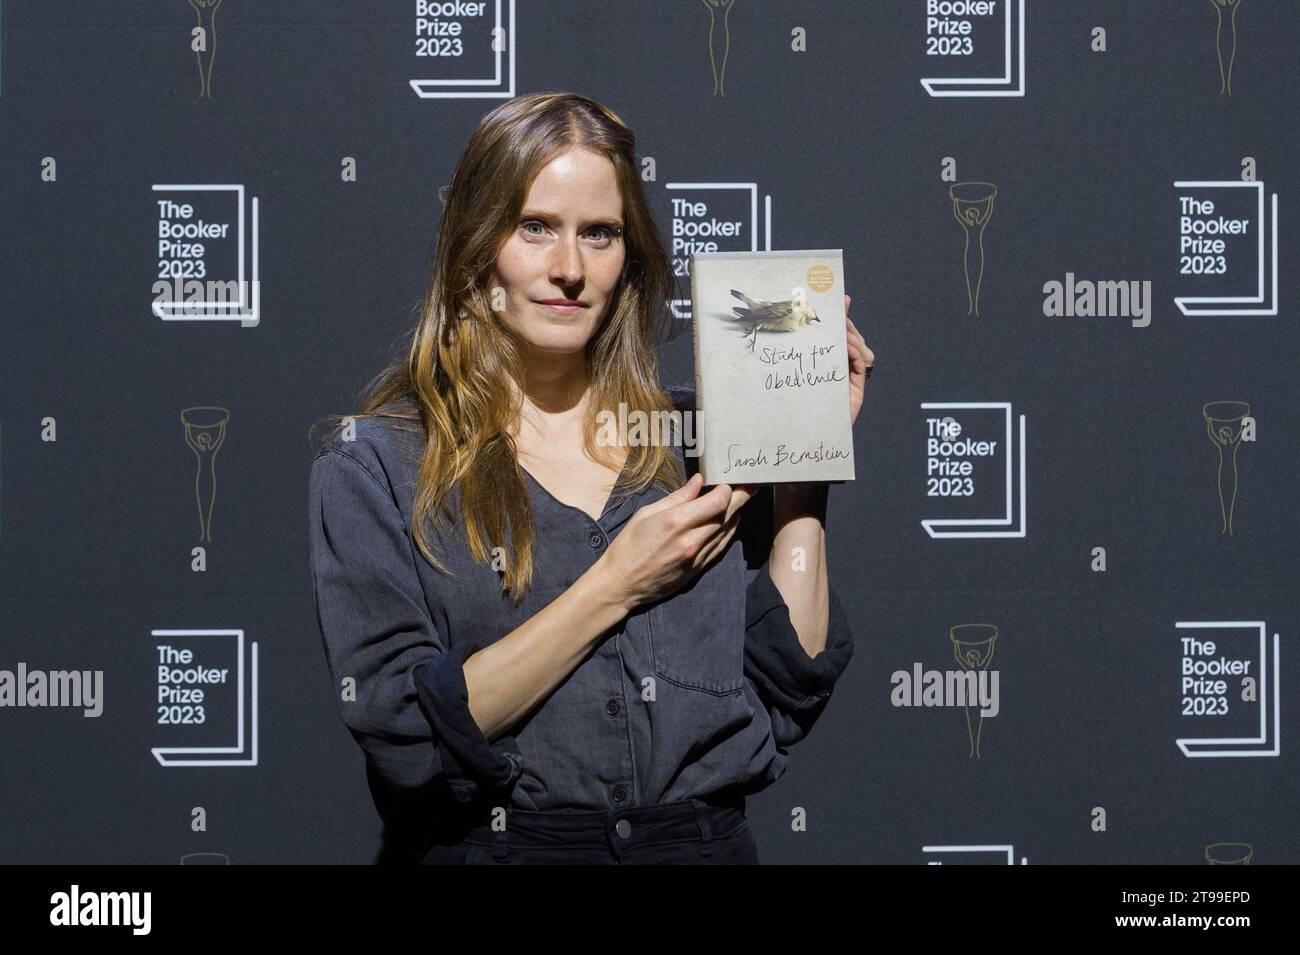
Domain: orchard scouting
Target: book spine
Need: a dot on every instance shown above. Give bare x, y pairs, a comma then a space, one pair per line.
701, 426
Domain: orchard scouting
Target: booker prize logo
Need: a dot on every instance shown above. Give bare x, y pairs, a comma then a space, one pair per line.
206, 698
974, 470
207, 258
1227, 247
974, 47
972, 855
714, 217
464, 49
1229, 689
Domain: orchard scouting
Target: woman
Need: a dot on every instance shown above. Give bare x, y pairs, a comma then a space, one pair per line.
548, 646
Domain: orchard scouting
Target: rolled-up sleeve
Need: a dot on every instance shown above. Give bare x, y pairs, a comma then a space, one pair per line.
411, 713
794, 686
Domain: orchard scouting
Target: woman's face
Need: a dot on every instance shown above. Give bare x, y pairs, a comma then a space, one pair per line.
565, 249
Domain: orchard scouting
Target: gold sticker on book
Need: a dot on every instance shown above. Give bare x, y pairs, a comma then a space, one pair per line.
820, 278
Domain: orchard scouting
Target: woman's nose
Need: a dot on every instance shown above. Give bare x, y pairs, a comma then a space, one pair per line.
566, 264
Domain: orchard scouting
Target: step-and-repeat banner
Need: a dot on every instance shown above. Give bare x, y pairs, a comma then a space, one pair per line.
1070, 554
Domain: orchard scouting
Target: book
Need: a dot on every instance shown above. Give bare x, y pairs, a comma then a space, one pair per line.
771, 367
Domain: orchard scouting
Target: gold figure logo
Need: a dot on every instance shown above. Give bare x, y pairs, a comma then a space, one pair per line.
1225, 75
205, 431
787, 316
1225, 424
719, 71
972, 206
972, 645
205, 42
1229, 853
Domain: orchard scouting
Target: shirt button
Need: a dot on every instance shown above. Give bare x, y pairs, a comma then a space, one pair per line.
620, 792
612, 707
623, 828
597, 540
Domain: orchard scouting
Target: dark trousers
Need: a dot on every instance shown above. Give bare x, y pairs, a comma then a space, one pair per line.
692, 831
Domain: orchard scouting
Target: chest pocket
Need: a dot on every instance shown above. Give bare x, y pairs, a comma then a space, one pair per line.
697, 635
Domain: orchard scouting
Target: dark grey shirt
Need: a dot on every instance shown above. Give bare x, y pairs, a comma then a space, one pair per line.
702, 692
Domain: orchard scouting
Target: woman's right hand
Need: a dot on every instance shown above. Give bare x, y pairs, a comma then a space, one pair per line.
669, 541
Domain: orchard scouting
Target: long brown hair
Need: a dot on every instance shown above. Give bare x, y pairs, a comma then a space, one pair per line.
462, 357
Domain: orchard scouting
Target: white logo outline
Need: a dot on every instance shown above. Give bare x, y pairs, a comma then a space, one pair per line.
681, 307
931, 525
931, 82
1010, 850
1184, 301
1187, 743
420, 86
161, 752
250, 305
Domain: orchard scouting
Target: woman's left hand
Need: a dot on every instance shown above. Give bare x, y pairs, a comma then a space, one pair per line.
861, 360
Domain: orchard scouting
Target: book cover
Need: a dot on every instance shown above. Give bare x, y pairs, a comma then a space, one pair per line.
771, 367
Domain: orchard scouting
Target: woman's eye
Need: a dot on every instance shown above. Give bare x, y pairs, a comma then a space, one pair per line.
600, 234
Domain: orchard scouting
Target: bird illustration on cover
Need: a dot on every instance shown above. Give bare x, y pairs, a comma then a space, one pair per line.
787, 316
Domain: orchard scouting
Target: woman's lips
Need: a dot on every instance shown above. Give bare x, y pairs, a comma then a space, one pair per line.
561, 309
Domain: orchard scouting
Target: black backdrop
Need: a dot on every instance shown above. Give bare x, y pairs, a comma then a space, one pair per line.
816, 132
